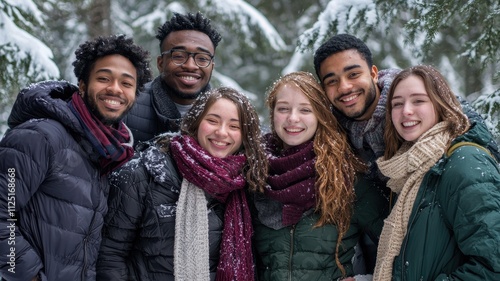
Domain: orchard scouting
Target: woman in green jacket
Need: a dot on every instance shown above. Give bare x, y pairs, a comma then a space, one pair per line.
311, 213
445, 224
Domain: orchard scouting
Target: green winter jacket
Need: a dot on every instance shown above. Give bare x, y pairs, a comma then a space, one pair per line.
303, 252
454, 229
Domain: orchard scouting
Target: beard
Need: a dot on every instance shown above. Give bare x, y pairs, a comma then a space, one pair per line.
370, 99
108, 121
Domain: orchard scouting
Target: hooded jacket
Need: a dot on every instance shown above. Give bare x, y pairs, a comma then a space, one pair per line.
138, 239
51, 220
454, 228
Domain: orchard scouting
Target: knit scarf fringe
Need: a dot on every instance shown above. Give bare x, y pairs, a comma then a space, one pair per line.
406, 171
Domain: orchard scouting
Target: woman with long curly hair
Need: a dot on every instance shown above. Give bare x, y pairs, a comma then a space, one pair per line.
178, 210
314, 207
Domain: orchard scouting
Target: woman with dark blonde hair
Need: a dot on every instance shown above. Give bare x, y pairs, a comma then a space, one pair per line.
311, 213
178, 210
445, 224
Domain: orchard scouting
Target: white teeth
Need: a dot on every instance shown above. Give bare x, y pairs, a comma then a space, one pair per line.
114, 102
409, 124
218, 142
294, 130
188, 78
350, 98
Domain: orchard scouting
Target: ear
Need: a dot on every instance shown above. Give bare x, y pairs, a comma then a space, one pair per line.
82, 88
374, 74
159, 63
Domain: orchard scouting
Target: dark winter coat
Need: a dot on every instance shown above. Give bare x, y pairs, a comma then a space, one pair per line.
60, 197
305, 252
138, 239
454, 228
147, 118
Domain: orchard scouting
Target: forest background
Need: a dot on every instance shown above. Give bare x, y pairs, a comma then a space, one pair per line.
263, 40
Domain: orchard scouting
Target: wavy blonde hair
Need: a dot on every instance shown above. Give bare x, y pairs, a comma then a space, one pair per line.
336, 165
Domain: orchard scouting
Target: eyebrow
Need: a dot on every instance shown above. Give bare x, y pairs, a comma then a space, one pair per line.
197, 48
411, 95
106, 70
218, 116
347, 68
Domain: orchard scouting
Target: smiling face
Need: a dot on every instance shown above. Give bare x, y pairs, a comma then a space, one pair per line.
413, 112
220, 130
111, 89
293, 116
350, 84
186, 80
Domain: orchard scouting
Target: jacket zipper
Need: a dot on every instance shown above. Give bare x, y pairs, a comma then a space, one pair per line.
292, 232
85, 245
403, 249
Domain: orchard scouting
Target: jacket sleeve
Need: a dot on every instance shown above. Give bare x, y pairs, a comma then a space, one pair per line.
122, 223
472, 208
24, 162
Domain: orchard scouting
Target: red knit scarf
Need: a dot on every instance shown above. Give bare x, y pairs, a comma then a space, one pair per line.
111, 144
291, 179
222, 178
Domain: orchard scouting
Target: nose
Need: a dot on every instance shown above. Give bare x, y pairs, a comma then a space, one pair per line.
221, 131
293, 116
190, 63
344, 86
407, 109
114, 87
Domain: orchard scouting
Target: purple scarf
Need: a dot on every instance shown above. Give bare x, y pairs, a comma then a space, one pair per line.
223, 179
291, 179
111, 144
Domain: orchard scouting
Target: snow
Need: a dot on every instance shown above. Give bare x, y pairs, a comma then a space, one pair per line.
27, 45
247, 17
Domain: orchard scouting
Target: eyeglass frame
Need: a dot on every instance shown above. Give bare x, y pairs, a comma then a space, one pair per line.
189, 54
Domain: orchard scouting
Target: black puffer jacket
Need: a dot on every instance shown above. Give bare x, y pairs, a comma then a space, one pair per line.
50, 173
138, 237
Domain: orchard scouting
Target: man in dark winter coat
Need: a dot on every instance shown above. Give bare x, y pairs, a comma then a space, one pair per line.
62, 142
185, 63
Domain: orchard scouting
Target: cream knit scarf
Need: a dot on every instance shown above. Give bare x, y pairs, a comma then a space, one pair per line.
406, 171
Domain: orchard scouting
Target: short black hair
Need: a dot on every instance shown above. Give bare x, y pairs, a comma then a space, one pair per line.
188, 22
90, 51
339, 43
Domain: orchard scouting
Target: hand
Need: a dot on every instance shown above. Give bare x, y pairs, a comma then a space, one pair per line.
36, 278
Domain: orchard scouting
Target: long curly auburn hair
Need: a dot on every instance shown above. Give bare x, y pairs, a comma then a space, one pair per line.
336, 165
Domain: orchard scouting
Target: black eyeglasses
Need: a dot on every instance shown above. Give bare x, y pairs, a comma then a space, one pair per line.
180, 57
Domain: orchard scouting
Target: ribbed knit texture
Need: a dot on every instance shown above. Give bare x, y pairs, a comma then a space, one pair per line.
291, 179
221, 178
191, 249
406, 171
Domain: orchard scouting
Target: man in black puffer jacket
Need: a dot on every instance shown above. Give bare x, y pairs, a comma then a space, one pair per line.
62, 142
169, 96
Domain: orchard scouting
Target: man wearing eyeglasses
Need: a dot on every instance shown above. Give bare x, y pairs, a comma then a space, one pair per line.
185, 63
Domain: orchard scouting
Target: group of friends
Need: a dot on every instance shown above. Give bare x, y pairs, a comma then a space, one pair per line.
364, 175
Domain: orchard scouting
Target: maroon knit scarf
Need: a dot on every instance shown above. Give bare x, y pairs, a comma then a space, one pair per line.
223, 179
110, 143
291, 179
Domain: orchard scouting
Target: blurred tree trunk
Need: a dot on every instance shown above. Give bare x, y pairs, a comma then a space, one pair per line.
98, 18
